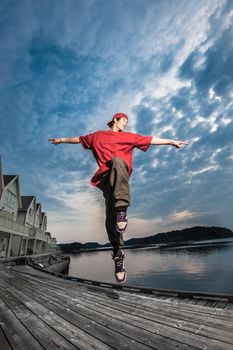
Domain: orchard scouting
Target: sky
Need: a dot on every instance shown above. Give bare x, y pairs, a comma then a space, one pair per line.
66, 67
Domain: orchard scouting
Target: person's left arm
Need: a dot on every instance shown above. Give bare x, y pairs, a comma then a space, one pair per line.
175, 143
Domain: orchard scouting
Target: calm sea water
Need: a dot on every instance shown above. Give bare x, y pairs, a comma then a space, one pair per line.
206, 266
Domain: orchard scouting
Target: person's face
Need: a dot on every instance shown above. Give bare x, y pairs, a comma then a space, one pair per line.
120, 124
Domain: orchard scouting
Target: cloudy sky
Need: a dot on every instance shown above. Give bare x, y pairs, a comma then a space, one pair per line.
67, 66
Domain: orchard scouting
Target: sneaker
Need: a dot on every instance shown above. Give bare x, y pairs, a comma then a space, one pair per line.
120, 272
121, 221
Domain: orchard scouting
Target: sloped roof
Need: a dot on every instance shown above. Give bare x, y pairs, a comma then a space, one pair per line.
8, 178
26, 201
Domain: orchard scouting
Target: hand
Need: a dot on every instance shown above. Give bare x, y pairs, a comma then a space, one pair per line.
179, 144
55, 141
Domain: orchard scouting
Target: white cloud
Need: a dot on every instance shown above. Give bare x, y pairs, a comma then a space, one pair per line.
140, 227
213, 96
80, 213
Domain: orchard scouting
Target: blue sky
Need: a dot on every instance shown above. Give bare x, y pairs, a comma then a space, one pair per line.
67, 66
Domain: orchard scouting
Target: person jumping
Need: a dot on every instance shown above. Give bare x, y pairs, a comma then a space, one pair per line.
113, 151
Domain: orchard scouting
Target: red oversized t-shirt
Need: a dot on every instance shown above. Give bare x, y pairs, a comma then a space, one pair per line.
108, 144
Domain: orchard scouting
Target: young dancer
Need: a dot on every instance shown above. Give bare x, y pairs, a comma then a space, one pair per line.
113, 150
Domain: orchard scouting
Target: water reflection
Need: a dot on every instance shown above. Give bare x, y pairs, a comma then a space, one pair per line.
197, 267
199, 248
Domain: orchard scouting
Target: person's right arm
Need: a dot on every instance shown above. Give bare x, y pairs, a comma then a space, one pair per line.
56, 141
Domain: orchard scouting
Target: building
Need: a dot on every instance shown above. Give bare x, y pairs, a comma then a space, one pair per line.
23, 224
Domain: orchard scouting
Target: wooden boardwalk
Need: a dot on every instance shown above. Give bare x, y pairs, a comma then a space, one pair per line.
39, 311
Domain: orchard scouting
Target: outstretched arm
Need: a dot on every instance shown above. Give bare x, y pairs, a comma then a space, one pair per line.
175, 143
56, 141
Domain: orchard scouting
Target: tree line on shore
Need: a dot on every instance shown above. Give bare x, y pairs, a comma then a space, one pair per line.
197, 233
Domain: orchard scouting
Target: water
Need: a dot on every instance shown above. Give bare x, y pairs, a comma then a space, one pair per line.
205, 267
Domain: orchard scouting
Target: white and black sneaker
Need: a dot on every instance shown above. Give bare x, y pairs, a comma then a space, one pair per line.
121, 221
120, 272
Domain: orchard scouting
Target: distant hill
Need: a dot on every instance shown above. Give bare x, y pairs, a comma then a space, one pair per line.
197, 233
76, 246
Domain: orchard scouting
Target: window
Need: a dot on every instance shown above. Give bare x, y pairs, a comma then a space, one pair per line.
10, 199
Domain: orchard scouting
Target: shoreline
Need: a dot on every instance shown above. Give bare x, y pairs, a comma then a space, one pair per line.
157, 246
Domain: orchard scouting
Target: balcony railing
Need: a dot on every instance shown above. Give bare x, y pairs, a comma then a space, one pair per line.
9, 226
39, 234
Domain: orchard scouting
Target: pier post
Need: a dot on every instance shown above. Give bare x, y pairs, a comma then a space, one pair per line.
20, 246
9, 245
25, 247
34, 247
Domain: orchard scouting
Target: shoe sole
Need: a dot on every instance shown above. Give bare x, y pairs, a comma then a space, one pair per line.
124, 280
121, 230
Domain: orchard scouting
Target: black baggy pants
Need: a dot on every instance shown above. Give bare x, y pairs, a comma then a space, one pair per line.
116, 191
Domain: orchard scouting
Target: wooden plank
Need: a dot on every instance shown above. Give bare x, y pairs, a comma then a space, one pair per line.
164, 297
131, 297
5, 272
64, 315
4, 344
77, 287
151, 304
51, 281
188, 304
186, 337
163, 294
211, 303
74, 335
210, 327
221, 304
44, 334
159, 312
140, 335
102, 295
228, 307
158, 309
17, 335
94, 312
200, 310
197, 301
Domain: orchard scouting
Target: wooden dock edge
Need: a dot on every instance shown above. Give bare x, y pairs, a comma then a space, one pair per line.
142, 290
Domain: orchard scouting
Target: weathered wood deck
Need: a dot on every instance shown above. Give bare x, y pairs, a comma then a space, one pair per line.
39, 311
